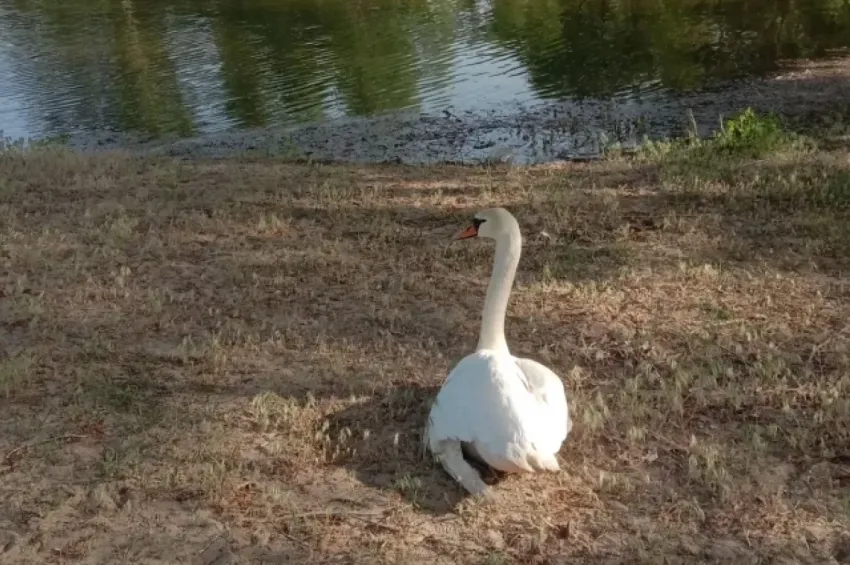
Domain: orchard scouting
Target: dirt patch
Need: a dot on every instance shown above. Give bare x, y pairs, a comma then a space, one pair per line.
230, 361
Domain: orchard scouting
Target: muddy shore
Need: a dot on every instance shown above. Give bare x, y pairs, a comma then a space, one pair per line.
520, 134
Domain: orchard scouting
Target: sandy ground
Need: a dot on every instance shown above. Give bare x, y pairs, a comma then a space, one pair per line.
230, 361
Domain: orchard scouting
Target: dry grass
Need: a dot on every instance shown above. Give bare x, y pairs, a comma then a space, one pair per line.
233, 360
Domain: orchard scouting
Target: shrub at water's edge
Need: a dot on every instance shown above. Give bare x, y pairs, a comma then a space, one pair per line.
745, 135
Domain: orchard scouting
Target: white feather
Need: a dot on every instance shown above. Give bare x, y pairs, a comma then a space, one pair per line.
515, 420
512, 412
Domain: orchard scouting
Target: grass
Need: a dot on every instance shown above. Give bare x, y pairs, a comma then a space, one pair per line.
234, 359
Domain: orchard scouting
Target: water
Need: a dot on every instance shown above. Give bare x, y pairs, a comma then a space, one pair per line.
186, 67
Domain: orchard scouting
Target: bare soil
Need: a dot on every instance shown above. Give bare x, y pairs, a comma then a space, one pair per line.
231, 361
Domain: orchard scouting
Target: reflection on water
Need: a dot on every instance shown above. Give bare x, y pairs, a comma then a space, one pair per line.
194, 66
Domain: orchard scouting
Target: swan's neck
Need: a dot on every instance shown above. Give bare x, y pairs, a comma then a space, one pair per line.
508, 249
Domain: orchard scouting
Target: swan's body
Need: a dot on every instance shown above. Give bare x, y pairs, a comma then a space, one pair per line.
507, 411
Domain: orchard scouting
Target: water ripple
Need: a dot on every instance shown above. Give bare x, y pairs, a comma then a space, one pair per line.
178, 67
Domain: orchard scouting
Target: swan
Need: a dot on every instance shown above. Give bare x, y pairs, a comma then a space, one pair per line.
506, 411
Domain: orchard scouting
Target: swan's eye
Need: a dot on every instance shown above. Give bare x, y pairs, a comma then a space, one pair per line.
477, 223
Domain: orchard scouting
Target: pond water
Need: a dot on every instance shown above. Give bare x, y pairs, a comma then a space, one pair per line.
188, 67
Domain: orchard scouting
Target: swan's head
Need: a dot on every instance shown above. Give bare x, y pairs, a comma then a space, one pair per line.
492, 223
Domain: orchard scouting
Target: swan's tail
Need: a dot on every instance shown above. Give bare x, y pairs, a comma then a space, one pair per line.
542, 462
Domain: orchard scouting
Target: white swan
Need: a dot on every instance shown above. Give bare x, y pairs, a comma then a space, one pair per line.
507, 411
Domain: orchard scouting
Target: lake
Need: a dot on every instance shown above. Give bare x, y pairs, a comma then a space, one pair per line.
189, 67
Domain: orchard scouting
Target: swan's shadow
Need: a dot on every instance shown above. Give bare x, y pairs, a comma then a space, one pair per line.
380, 440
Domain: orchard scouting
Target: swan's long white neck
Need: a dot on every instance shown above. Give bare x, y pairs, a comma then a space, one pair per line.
508, 250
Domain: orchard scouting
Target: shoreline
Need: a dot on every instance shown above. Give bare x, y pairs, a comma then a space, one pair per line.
523, 135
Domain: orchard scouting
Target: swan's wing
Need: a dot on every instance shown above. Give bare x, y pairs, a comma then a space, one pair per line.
548, 390
485, 400
469, 399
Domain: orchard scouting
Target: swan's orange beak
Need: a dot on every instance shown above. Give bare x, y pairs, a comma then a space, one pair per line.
471, 231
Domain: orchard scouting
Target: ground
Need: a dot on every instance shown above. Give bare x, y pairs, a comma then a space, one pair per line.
231, 361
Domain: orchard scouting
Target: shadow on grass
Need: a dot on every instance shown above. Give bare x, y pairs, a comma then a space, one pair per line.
385, 450
791, 216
